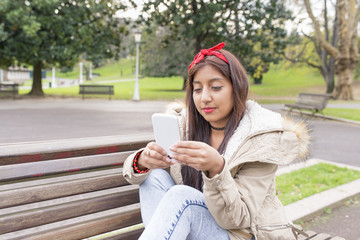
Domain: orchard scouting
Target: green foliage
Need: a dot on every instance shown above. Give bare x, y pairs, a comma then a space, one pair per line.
163, 56
241, 24
305, 182
49, 32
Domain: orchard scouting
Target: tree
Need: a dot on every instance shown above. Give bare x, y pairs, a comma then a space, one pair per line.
258, 36
324, 62
241, 24
346, 53
164, 56
47, 32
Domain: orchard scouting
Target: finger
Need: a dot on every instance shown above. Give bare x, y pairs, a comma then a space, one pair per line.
185, 151
156, 147
156, 163
155, 155
189, 144
185, 159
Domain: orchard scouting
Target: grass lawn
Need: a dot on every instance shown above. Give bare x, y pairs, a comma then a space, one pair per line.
302, 183
169, 88
281, 81
122, 69
280, 84
352, 114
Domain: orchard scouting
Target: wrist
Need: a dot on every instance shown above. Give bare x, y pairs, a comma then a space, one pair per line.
138, 168
217, 169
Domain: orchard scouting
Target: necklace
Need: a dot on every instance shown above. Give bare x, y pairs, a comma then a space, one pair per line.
218, 129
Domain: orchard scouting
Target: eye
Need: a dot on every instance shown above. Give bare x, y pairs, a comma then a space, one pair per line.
197, 90
217, 88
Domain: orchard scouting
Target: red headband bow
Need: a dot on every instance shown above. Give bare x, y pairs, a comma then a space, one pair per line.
208, 52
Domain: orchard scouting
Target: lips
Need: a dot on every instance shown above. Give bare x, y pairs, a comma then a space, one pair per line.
208, 109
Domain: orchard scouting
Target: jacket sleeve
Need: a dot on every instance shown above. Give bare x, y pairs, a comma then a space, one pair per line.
129, 173
233, 201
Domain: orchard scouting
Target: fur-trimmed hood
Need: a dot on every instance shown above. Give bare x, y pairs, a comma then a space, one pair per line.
256, 121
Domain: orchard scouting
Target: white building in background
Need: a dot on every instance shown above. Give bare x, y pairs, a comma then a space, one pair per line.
15, 75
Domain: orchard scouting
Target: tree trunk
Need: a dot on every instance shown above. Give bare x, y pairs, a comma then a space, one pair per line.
343, 89
330, 82
348, 57
36, 89
185, 83
328, 73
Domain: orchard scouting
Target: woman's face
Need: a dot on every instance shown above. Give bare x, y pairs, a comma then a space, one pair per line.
212, 95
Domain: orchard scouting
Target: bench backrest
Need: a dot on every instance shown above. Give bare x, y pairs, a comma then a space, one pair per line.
96, 89
313, 99
9, 86
69, 189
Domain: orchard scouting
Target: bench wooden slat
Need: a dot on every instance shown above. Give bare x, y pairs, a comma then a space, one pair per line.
131, 232
96, 89
12, 88
55, 149
301, 106
337, 238
321, 236
310, 233
310, 101
60, 189
74, 176
31, 215
61, 165
133, 235
82, 227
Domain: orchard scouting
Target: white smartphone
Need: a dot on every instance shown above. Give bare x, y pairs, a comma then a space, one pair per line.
166, 130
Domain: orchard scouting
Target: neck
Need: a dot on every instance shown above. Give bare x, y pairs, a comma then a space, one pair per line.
216, 138
217, 129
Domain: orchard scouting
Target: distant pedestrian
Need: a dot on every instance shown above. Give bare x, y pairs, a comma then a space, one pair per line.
222, 183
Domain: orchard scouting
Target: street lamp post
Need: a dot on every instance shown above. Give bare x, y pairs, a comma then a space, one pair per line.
136, 90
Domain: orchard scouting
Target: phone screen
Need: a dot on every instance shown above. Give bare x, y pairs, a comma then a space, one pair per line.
166, 130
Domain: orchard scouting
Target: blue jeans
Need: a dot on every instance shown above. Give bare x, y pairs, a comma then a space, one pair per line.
175, 212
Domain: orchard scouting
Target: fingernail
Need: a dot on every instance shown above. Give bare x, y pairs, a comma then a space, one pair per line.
163, 153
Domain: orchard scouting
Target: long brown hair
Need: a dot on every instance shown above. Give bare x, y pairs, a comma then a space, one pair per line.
198, 128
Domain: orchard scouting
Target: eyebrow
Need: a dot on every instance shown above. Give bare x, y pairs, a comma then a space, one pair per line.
211, 80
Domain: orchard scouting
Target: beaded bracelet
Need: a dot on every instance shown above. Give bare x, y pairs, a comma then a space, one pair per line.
136, 169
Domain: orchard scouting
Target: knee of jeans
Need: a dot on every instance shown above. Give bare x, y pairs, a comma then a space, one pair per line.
184, 192
157, 177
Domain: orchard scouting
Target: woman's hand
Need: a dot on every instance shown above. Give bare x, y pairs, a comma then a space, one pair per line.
198, 155
153, 157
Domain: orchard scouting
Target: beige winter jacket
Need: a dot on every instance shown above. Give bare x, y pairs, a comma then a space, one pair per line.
242, 197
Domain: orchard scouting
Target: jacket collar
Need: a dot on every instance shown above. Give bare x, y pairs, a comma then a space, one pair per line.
256, 120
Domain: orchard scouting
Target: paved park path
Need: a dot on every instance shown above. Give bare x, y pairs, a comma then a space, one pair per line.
26, 120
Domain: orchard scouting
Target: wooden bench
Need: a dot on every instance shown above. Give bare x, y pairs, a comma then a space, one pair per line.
70, 189
96, 89
319, 236
310, 101
12, 88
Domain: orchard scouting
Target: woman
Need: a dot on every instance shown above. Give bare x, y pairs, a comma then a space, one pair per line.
222, 182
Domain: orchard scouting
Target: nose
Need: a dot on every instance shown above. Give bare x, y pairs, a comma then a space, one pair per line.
206, 95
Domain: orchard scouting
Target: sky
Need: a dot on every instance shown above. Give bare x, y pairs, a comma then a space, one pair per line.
296, 6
